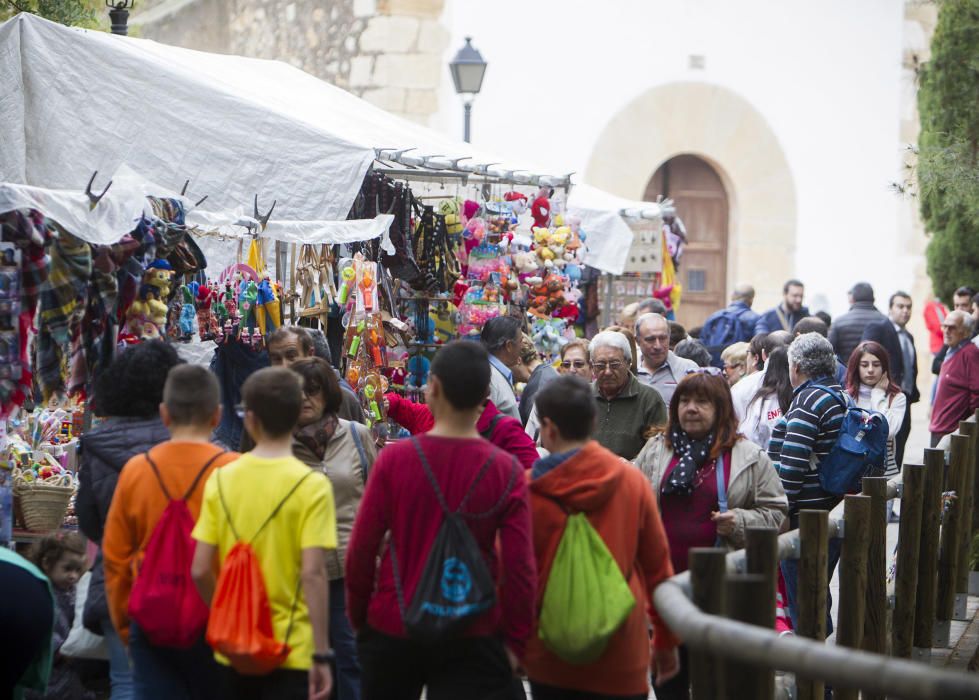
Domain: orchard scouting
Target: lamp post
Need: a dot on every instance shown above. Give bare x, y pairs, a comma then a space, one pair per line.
468, 69
119, 15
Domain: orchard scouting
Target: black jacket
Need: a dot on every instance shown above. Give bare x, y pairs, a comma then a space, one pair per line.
103, 453
884, 333
847, 329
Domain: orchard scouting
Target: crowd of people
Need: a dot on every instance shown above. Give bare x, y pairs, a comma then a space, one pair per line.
294, 556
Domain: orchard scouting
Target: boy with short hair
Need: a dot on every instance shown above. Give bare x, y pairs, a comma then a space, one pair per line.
581, 476
286, 513
173, 469
490, 488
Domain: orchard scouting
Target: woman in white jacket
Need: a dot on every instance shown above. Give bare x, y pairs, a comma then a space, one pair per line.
770, 402
868, 381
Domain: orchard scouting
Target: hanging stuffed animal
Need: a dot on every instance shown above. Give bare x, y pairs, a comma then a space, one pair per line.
188, 315
208, 324
540, 210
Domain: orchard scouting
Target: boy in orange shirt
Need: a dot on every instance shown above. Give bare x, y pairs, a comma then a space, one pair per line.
174, 469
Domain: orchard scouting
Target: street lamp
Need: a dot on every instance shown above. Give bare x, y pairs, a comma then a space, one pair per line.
468, 69
119, 15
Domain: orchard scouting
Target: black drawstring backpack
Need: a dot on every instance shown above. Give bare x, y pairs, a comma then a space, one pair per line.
456, 585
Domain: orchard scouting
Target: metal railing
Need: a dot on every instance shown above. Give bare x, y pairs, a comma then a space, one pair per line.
723, 606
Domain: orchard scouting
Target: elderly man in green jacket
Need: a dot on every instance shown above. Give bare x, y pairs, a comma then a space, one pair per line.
626, 408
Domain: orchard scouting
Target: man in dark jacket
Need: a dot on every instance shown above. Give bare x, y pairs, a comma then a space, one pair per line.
735, 324
128, 393
784, 316
847, 329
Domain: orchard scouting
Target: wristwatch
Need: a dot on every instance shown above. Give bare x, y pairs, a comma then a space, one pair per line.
325, 657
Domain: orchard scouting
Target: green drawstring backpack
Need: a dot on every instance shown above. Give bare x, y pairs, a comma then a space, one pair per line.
586, 598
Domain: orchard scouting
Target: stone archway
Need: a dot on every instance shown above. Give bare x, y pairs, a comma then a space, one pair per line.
725, 130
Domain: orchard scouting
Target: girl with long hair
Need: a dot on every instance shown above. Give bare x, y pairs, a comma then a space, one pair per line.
868, 381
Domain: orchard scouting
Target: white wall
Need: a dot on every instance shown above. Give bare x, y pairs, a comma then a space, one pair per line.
826, 76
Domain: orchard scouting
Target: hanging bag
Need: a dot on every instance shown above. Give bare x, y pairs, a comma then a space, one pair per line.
164, 601
240, 627
456, 586
586, 598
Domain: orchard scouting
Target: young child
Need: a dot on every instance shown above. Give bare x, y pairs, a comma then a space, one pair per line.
62, 559
285, 512
177, 469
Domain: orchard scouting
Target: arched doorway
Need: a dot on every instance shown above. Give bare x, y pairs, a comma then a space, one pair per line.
702, 203
721, 127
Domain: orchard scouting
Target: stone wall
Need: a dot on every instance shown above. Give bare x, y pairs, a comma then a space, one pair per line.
390, 52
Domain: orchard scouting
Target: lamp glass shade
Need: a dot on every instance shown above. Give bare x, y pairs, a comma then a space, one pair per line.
468, 69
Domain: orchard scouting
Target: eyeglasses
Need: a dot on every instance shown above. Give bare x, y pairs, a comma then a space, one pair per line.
733, 367
577, 364
614, 365
712, 371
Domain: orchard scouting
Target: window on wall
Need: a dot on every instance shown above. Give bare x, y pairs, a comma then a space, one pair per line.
696, 280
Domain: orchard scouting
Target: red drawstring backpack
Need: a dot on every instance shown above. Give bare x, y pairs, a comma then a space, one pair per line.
164, 601
240, 627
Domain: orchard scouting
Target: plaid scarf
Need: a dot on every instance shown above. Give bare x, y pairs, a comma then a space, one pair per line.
63, 298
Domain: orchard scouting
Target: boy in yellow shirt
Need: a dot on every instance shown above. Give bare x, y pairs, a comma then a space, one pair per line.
290, 525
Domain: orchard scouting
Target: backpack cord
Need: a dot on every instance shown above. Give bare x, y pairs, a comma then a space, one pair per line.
193, 485
398, 589
275, 512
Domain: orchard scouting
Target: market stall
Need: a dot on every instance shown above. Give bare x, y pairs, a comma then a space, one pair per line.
267, 198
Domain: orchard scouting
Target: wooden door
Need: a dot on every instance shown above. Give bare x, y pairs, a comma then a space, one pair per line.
701, 203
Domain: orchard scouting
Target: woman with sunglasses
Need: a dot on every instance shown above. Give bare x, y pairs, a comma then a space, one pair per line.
344, 451
711, 483
574, 361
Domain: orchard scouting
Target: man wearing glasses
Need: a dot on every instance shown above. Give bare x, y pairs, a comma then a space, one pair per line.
660, 368
627, 409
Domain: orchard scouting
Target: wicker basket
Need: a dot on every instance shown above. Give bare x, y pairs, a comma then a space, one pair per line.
43, 504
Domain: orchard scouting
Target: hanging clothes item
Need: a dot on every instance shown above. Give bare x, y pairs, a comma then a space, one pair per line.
62, 306
31, 233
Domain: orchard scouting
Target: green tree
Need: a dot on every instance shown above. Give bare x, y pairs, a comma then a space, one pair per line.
948, 160
74, 13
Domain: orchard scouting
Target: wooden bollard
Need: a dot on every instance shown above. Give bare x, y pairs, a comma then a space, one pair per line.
708, 568
811, 588
967, 428
875, 627
931, 506
948, 549
853, 577
761, 553
975, 486
747, 601
908, 545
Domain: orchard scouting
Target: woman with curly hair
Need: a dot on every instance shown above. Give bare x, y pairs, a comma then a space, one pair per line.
128, 395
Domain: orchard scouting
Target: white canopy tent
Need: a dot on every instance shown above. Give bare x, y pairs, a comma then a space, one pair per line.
74, 101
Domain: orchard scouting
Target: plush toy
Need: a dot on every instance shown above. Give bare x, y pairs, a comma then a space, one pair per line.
146, 319
418, 367
207, 301
156, 281
540, 210
188, 315
526, 265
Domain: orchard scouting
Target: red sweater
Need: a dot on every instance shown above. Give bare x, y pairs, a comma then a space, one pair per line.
621, 507
400, 500
958, 390
508, 434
